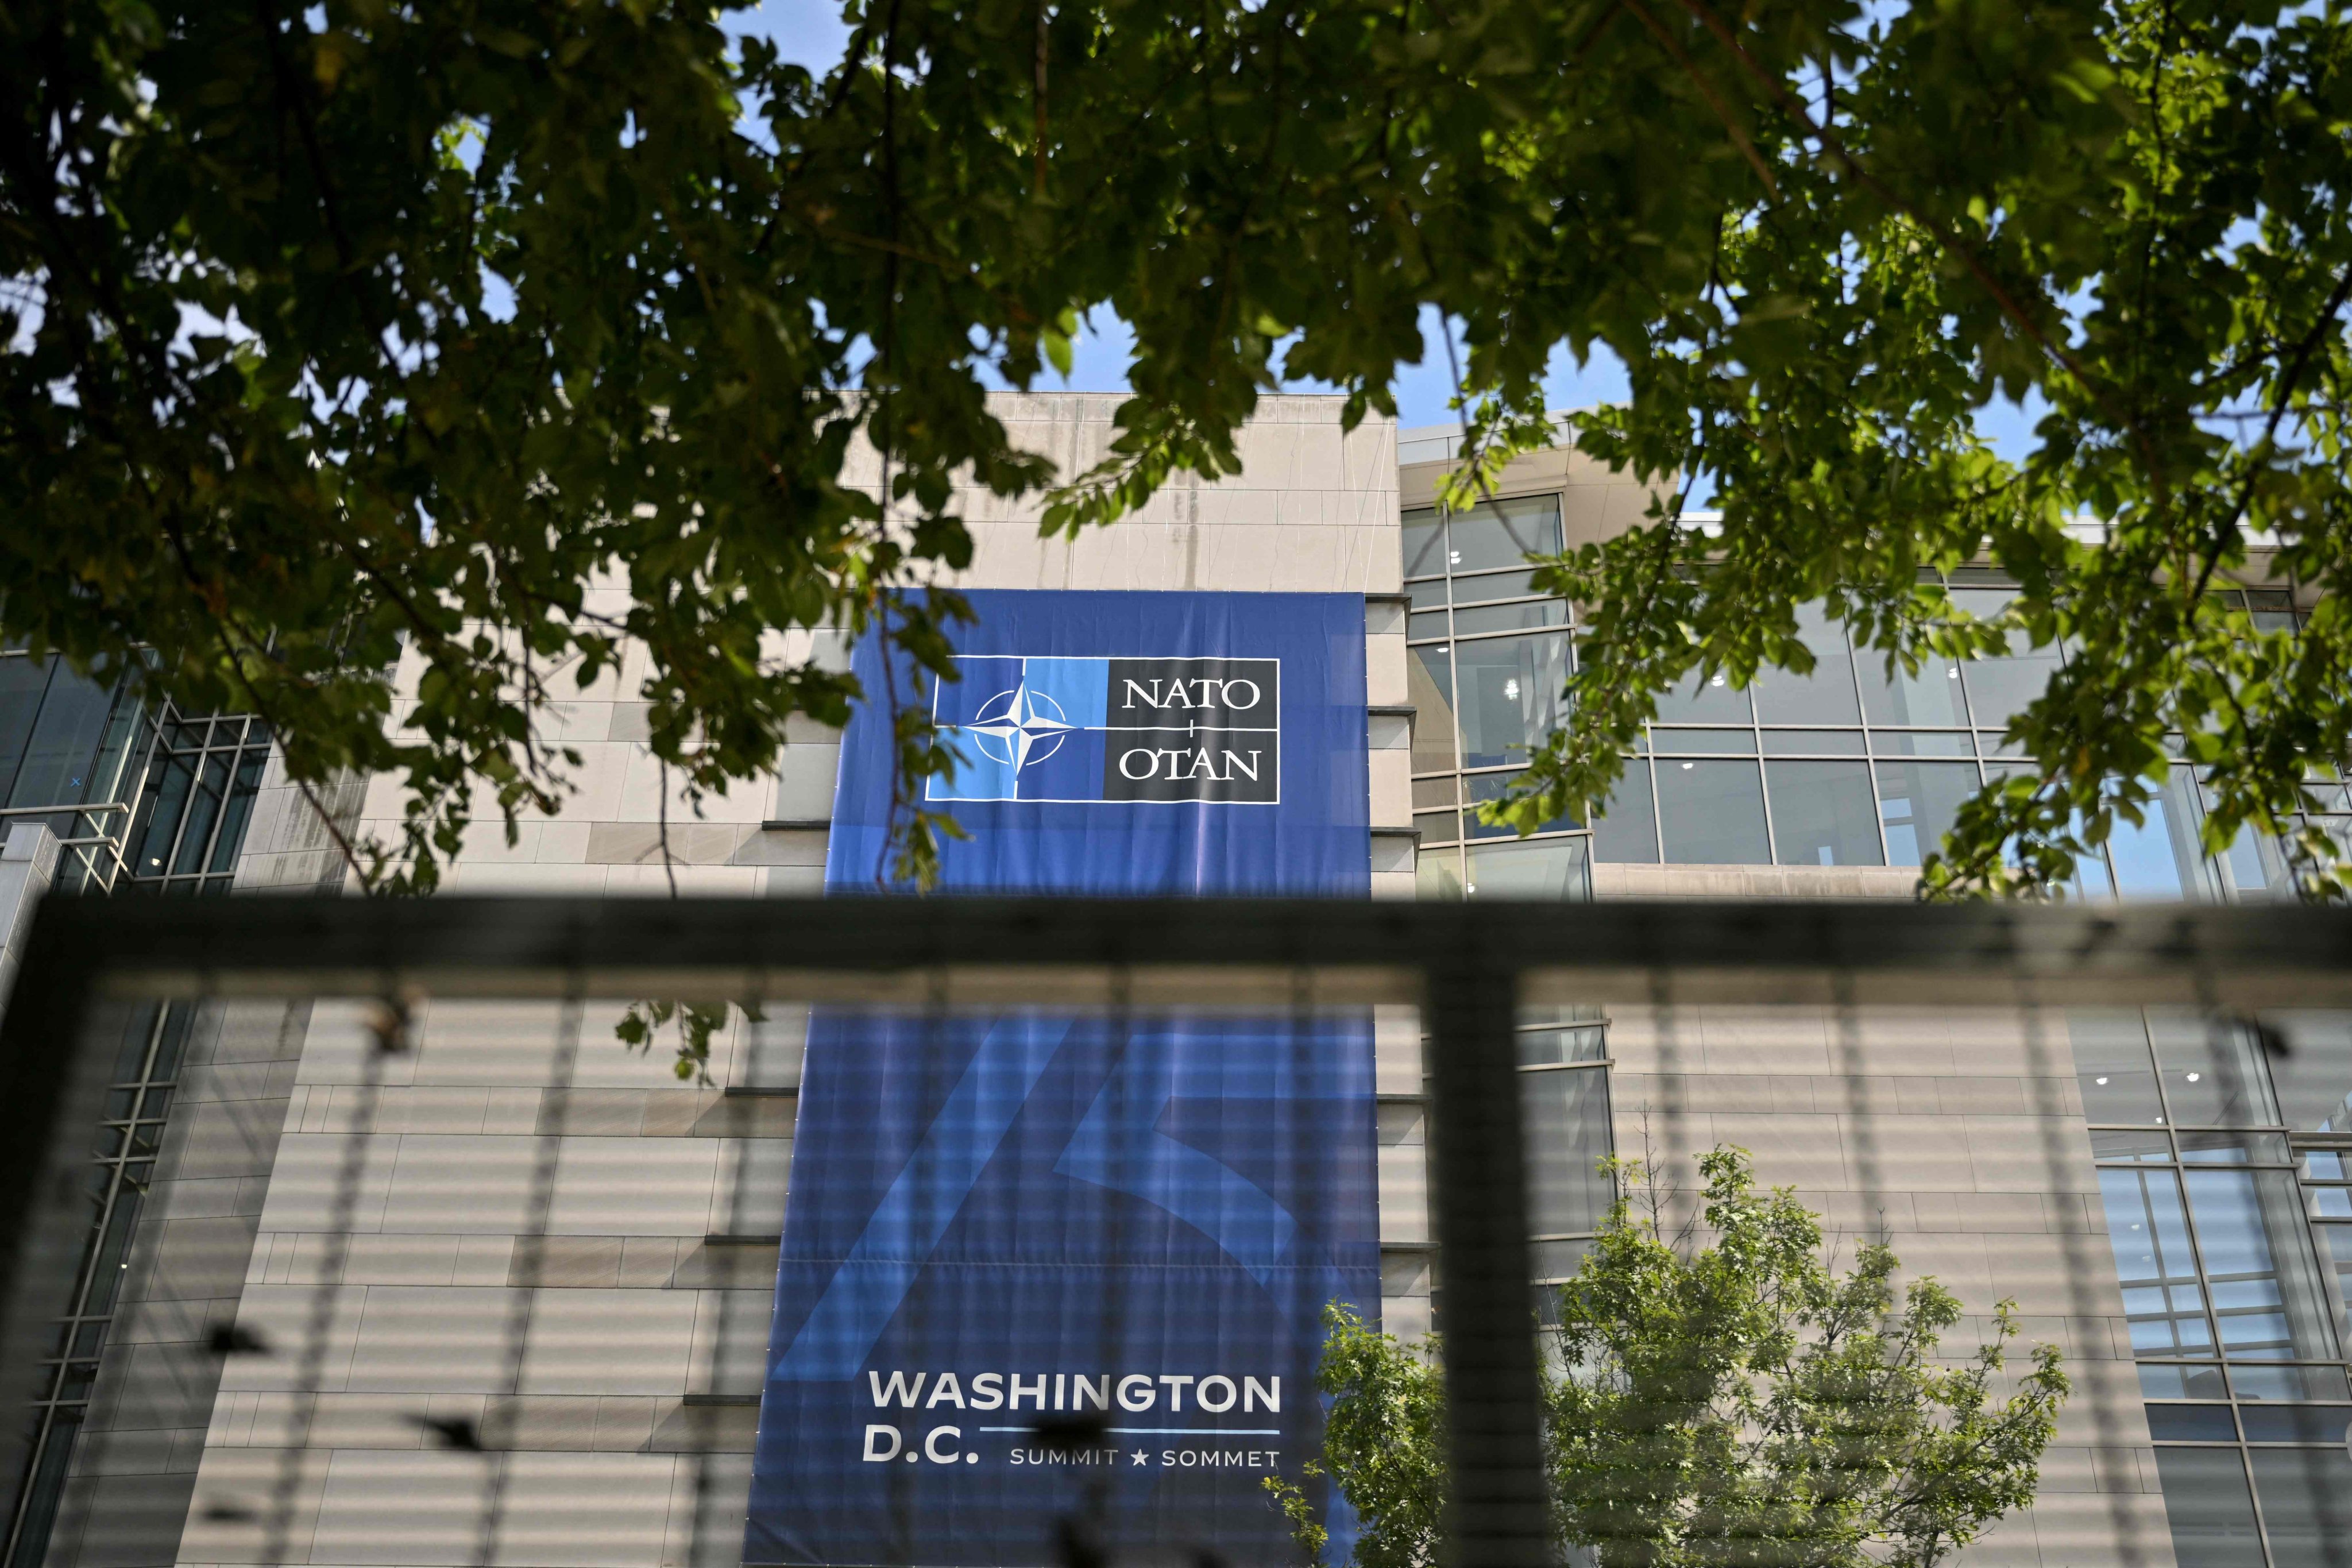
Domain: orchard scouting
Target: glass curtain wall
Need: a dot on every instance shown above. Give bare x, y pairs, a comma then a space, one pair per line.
66, 741
2222, 1163
1564, 1113
1844, 765
146, 1074
1487, 661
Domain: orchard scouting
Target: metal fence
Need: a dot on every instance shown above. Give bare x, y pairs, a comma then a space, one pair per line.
1467, 967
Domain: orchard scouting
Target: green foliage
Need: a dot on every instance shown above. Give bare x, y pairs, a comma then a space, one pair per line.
1719, 1395
641, 1025
508, 332
1383, 1438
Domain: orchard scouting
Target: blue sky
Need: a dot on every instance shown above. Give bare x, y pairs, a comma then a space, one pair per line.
811, 33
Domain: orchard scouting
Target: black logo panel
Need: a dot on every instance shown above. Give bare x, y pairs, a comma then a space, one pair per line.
1194, 728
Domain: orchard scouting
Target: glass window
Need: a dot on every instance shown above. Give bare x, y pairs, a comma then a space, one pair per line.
2334, 1242
1501, 534
1555, 1048
2149, 1230
22, 682
2314, 1075
1438, 874
2160, 856
2211, 1078
1489, 585
2253, 1381
1712, 814
2135, 1146
1822, 814
1921, 743
2191, 1423
1511, 696
2306, 1504
1567, 1120
1429, 680
2267, 1295
2117, 1074
1718, 743
1919, 802
1812, 743
1999, 688
1627, 832
1930, 699
65, 745
2213, 1512
1826, 695
1528, 615
1429, 792
1427, 625
1425, 540
1530, 869
1712, 699
1438, 827
1490, 786
2163, 1380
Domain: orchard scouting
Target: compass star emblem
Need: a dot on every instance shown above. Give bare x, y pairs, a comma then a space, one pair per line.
1019, 727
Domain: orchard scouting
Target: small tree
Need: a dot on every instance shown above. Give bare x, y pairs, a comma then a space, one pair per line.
1718, 1396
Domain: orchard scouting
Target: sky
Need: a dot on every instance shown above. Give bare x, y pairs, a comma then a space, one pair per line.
812, 32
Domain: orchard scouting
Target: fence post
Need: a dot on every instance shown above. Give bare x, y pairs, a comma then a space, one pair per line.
1496, 1516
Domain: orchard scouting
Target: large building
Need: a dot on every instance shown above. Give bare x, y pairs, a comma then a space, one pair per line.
510, 1301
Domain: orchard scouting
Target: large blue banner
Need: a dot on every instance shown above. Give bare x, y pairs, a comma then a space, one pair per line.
1043, 1275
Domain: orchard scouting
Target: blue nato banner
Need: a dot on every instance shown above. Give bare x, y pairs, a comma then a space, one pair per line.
1042, 1273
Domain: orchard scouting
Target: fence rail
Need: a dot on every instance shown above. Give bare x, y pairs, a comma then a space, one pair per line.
1467, 966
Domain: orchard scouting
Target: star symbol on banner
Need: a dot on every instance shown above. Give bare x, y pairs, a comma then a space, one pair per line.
1137, 1456
1020, 727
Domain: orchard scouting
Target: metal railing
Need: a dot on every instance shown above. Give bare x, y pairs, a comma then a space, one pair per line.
1465, 966
100, 871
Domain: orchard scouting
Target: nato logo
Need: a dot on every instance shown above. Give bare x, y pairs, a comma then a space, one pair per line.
1129, 729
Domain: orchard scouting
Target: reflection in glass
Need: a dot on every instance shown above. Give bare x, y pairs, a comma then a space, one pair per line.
1425, 540
1713, 742
1712, 814
2211, 1507
1627, 832
1918, 802
1825, 696
2160, 856
1489, 585
2233, 1148
2314, 1076
2254, 1381
1822, 814
2149, 1230
1491, 786
1530, 869
1528, 615
1705, 699
2334, 1242
2306, 1504
2163, 1380
1921, 743
2113, 1064
2131, 1146
1511, 693
2267, 1298
1429, 680
56, 765
1567, 1119
1438, 875
1500, 533
1930, 699
1553, 1048
2211, 1076
1812, 743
